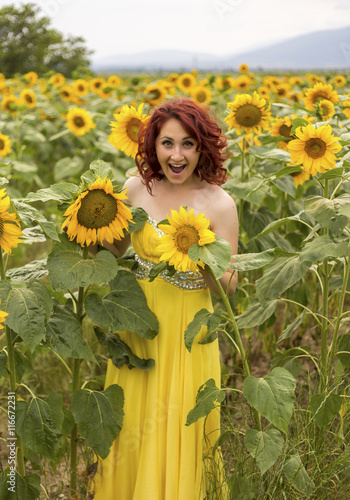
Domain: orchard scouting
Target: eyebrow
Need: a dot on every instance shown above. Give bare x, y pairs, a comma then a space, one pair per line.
187, 137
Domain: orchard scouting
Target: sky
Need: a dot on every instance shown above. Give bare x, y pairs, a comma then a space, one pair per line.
219, 27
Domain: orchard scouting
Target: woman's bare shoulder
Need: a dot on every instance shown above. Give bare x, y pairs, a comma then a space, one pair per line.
134, 186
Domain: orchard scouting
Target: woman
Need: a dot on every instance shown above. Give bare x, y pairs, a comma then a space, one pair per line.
156, 456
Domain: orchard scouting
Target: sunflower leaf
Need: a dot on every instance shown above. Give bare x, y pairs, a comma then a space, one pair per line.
120, 353
124, 308
202, 318
216, 255
68, 269
57, 192
208, 397
139, 218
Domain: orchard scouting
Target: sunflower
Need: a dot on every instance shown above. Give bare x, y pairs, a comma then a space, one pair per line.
114, 81
125, 129
314, 148
346, 107
79, 121
282, 90
105, 91
66, 93
186, 82
325, 109
184, 230
250, 113
10, 229
243, 82
313, 79
295, 80
264, 92
80, 87
300, 178
28, 98
155, 94
243, 68
98, 214
5, 145
225, 82
201, 95
3, 315
339, 81
318, 92
96, 83
31, 78
172, 78
10, 103
57, 80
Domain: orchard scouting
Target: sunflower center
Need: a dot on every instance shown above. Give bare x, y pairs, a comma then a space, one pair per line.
315, 148
1, 226
132, 129
201, 96
320, 94
29, 98
184, 237
98, 209
285, 130
186, 82
248, 115
79, 121
155, 94
2, 145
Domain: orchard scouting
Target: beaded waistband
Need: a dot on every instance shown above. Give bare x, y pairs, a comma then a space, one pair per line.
186, 280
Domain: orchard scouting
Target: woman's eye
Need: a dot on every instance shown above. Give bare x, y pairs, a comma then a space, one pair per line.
166, 143
188, 144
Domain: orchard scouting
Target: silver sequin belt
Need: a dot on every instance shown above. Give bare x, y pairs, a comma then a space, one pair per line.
186, 280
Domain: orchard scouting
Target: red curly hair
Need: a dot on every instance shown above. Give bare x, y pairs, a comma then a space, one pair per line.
211, 142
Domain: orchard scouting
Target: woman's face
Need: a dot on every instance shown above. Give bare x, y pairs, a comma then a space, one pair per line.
176, 153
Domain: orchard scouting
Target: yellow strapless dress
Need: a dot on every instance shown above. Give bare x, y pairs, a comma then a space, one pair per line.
156, 456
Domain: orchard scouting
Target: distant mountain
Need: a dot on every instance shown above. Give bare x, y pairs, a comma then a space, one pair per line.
321, 50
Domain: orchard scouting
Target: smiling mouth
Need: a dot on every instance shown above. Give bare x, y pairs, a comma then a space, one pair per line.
177, 169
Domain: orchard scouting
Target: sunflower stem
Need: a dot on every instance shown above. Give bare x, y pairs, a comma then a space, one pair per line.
324, 326
237, 341
12, 376
332, 350
240, 212
75, 387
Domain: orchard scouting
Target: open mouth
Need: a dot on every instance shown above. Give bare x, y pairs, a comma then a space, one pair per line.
177, 169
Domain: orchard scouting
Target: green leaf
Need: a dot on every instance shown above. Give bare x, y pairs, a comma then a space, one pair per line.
295, 472
332, 174
55, 402
202, 318
124, 308
286, 170
344, 349
57, 192
278, 223
298, 122
323, 247
342, 204
64, 335
33, 270
102, 169
265, 446
208, 398
250, 261
216, 255
283, 273
26, 487
253, 190
243, 488
268, 153
324, 407
99, 416
26, 316
157, 269
3, 361
68, 269
43, 295
272, 396
120, 353
256, 314
287, 332
33, 235
67, 167
139, 217
30, 215
36, 426
324, 211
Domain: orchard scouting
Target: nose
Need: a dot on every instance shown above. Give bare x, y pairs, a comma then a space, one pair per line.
177, 153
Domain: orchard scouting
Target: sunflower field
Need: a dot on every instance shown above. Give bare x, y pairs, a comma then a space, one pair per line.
66, 149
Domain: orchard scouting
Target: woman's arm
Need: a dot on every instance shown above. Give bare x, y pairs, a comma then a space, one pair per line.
224, 223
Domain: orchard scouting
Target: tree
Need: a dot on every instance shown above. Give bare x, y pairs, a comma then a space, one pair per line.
27, 43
